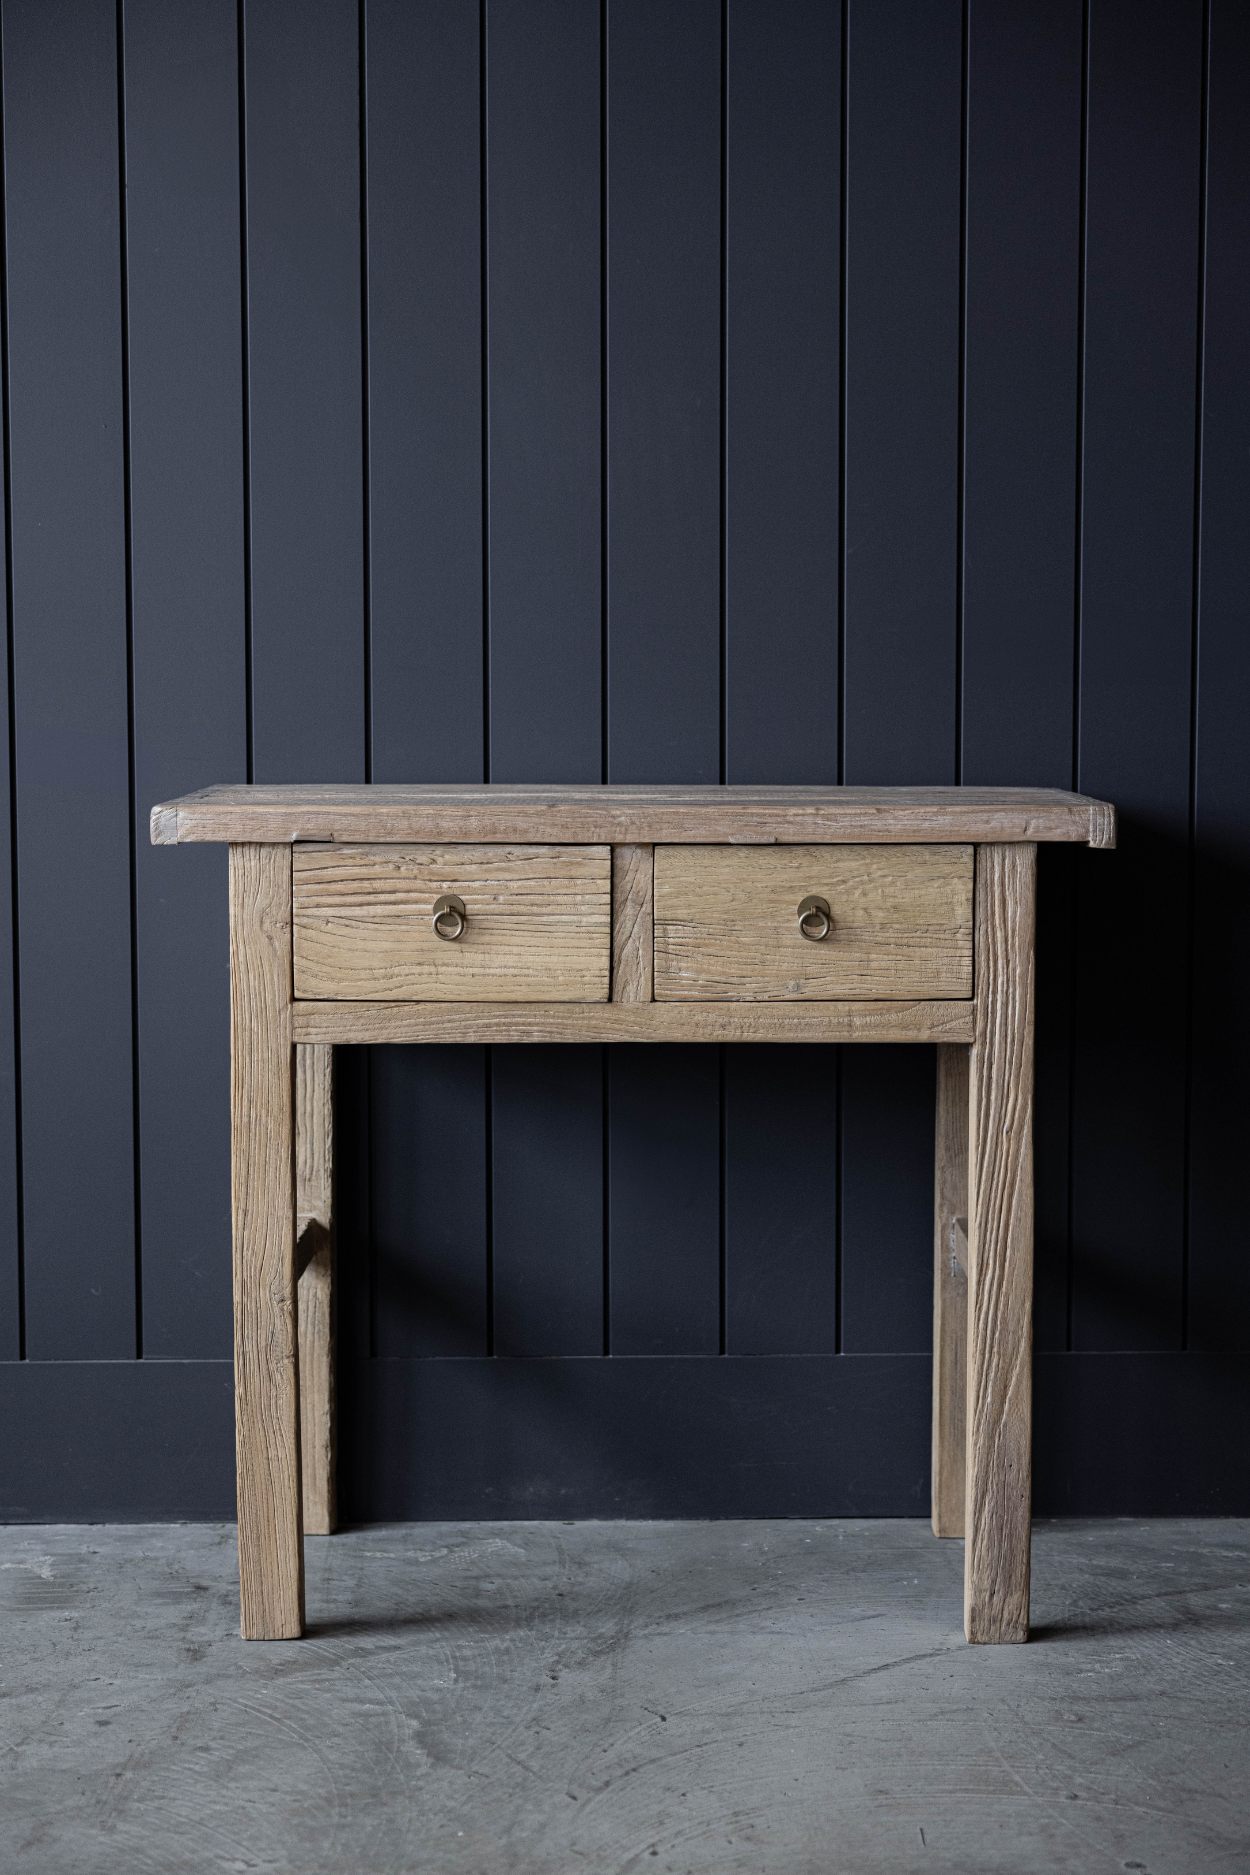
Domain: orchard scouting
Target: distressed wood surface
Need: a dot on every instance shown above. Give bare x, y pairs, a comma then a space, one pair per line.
633, 951
726, 925
950, 1292
539, 923
1000, 1252
627, 815
262, 1134
353, 1022
314, 1210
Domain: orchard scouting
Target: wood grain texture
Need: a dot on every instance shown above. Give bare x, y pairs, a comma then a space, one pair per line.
364, 1023
314, 1212
726, 926
262, 1134
950, 1292
633, 949
538, 923
627, 815
1000, 1252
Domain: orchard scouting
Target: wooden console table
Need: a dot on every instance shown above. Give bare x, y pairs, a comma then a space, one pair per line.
737, 914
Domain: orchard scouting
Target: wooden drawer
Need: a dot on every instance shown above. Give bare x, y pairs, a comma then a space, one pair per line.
538, 923
726, 923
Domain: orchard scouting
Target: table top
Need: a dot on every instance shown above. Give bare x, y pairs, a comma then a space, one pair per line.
629, 815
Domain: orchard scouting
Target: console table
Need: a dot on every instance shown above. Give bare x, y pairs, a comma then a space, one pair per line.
657, 914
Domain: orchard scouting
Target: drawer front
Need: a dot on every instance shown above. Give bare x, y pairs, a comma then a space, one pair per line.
537, 923
727, 926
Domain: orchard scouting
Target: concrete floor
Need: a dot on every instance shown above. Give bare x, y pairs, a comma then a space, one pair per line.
711, 1697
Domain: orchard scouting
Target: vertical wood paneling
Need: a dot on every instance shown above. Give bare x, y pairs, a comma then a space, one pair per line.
190, 673
429, 1207
1141, 299
70, 706
902, 389
513, 428
663, 360
544, 391
425, 389
1019, 519
1219, 1263
301, 83
664, 1216
783, 143
780, 1201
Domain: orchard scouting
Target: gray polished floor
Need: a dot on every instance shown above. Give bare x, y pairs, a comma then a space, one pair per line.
711, 1697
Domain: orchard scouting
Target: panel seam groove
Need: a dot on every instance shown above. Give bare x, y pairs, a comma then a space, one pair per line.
19, 1191
1077, 582
723, 391
484, 327
128, 549
604, 719
843, 236
1195, 629
245, 342
961, 394
362, 107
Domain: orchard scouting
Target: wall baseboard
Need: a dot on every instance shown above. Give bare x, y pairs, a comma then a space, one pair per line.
1158, 1434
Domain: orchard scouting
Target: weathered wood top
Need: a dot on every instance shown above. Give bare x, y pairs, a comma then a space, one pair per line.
631, 815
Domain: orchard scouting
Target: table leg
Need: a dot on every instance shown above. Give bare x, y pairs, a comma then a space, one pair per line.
314, 1211
997, 1517
262, 1134
950, 1291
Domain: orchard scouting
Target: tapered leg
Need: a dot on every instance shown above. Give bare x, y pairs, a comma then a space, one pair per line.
262, 1135
950, 1291
314, 1209
997, 1517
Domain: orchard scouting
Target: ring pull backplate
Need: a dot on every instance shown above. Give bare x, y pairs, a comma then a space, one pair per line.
450, 917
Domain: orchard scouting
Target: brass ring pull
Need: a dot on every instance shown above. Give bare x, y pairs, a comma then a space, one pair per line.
450, 917
815, 918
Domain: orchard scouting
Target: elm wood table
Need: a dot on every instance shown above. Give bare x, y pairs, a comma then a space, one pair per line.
509, 914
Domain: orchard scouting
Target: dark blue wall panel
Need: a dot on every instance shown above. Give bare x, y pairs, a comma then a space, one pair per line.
547, 1232
543, 188
664, 1219
887, 1200
542, 391
780, 1200
423, 86
429, 1224
1136, 625
70, 700
190, 650
904, 82
1219, 1123
663, 256
782, 167
305, 454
